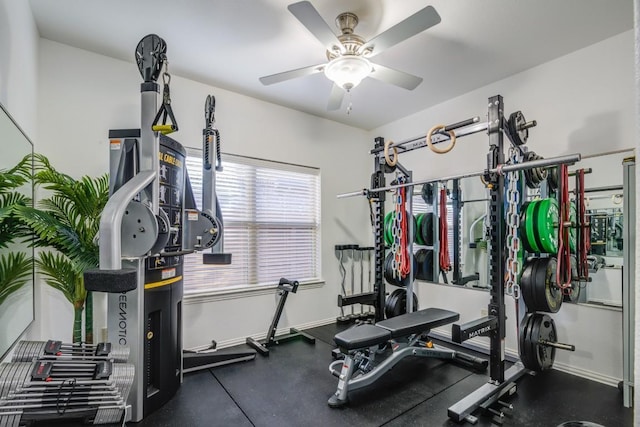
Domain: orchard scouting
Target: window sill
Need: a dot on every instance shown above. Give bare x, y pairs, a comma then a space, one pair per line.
242, 292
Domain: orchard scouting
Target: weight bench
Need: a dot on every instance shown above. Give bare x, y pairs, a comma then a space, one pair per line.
409, 336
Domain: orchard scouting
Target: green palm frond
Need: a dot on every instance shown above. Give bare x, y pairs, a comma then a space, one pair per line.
51, 232
15, 271
17, 176
11, 227
62, 274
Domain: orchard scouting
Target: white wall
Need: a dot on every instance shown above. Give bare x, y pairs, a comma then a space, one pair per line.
18, 63
18, 94
584, 103
83, 95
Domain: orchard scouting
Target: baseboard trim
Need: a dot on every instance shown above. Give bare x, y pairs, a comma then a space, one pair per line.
480, 345
584, 373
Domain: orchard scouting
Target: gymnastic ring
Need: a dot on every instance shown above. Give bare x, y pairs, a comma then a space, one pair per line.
433, 148
391, 163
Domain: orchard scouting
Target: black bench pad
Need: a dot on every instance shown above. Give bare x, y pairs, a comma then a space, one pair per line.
418, 321
361, 337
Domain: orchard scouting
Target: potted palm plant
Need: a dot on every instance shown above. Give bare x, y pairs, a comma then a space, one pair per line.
15, 266
68, 221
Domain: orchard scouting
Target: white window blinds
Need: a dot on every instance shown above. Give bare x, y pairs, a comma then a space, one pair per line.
271, 214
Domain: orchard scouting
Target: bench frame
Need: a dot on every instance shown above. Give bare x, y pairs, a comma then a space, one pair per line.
362, 367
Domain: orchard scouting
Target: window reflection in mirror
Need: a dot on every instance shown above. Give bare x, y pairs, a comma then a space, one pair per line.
16, 257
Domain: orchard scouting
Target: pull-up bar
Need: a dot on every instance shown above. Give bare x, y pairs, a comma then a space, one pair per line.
501, 169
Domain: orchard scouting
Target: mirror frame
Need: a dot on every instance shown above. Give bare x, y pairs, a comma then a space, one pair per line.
30, 249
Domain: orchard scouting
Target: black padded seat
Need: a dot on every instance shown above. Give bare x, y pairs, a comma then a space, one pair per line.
418, 321
362, 336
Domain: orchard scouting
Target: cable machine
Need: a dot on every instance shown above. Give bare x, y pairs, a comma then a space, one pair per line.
149, 223
493, 325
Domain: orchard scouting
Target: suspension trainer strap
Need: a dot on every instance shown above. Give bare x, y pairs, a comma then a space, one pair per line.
165, 109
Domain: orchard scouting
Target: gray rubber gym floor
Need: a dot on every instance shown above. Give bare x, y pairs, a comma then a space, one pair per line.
291, 388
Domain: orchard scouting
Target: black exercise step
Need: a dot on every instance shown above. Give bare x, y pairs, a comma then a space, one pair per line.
362, 336
418, 321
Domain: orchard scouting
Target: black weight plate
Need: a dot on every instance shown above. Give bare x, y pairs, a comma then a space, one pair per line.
529, 351
387, 272
396, 303
427, 229
424, 264
551, 299
549, 333
420, 257
515, 121
575, 282
543, 328
552, 178
526, 282
391, 302
524, 329
405, 280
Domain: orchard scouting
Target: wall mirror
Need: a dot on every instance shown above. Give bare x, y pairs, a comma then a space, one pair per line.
466, 209
16, 257
603, 199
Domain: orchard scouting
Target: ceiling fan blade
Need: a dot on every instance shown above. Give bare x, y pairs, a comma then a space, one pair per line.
292, 74
310, 18
335, 98
395, 77
416, 23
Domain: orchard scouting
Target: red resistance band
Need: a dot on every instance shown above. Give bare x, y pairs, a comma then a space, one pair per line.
445, 262
404, 264
563, 269
584, 245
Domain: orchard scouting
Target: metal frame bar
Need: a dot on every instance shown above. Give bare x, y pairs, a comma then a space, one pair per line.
628, 281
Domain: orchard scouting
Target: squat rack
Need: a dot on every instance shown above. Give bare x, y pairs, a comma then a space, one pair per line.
493, 325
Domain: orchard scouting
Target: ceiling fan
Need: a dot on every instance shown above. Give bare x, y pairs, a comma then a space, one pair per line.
348, 53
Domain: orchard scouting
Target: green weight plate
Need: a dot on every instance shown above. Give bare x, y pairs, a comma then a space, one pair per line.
573, 230
523, 228
529, 226
418, 230
387, 228
547, 225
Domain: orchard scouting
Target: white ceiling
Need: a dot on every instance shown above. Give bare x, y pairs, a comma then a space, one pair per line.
231, 43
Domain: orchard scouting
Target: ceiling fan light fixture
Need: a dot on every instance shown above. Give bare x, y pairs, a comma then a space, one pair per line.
348, 71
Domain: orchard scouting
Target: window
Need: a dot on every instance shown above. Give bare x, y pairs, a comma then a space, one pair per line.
271, 214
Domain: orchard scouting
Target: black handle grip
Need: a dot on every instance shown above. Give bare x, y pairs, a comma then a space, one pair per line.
288, 285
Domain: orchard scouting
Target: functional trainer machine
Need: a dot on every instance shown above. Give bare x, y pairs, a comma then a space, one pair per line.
502, 381
285, 287
149, 223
